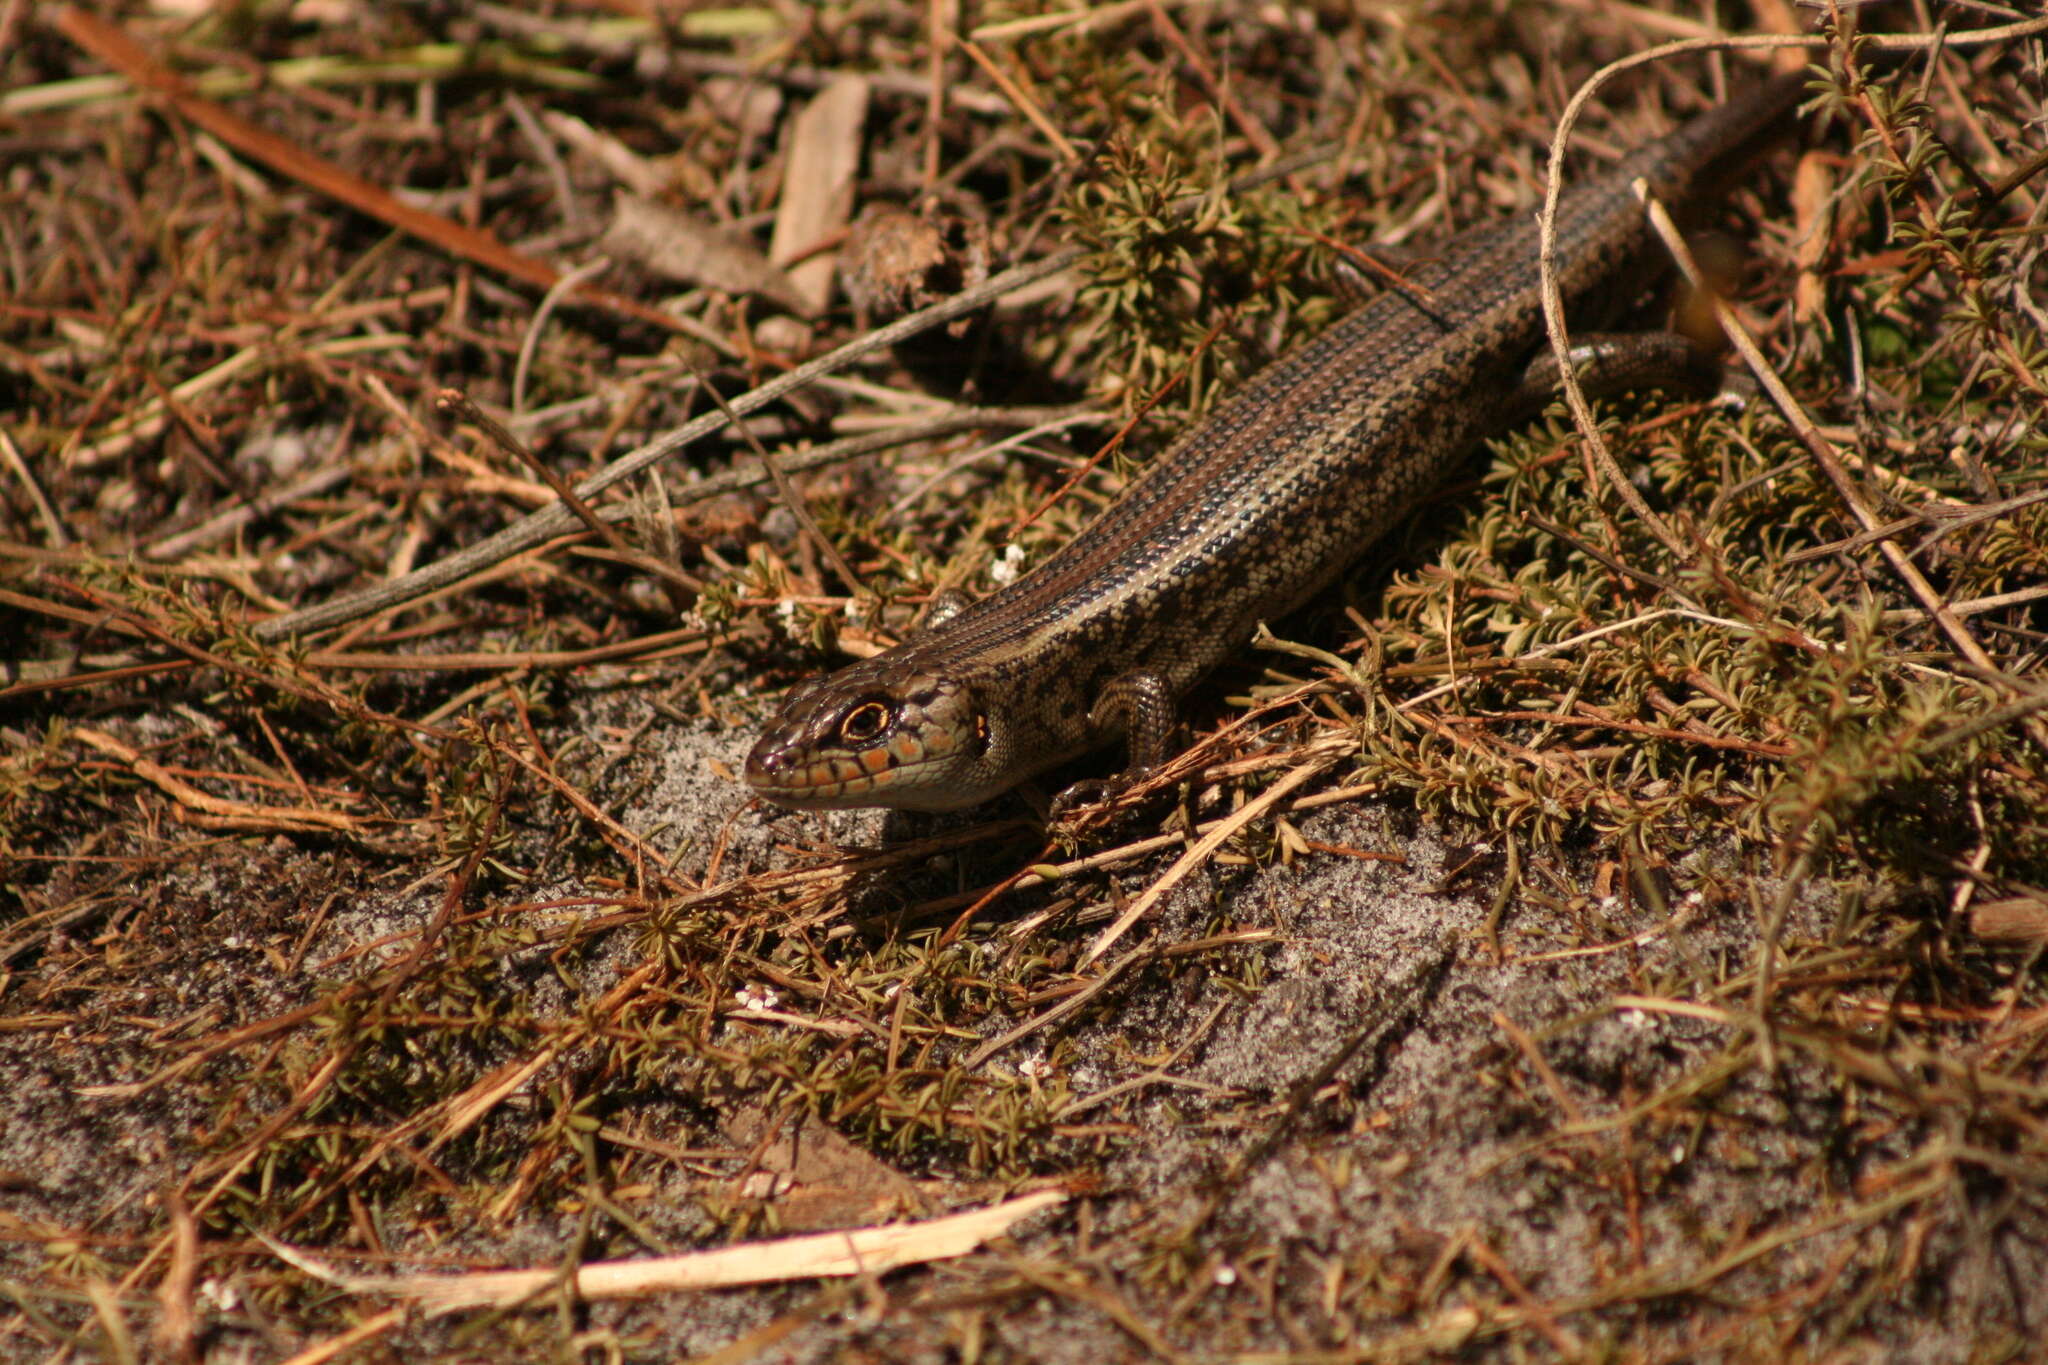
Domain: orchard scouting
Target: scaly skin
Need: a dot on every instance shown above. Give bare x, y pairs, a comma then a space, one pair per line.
1241, 521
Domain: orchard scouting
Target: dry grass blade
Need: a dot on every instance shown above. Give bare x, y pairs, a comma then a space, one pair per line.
216, 812
1201, 850
858, 1251
817, 191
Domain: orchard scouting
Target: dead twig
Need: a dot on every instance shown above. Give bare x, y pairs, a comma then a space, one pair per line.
862, 1251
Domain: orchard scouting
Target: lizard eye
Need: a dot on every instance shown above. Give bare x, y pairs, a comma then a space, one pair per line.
864, 722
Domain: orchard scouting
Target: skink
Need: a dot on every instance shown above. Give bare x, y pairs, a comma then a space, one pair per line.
1246, 516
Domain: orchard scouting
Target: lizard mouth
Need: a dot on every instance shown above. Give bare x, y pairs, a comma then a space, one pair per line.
790, 778
799, 781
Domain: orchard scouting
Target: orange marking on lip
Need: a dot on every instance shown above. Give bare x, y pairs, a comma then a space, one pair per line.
906, 748
876, 761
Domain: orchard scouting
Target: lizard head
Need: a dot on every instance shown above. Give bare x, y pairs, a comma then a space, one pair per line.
877, 734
